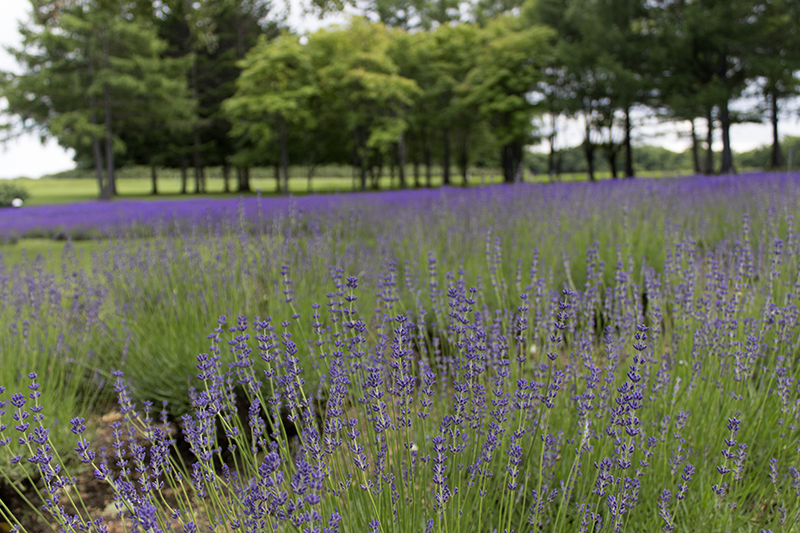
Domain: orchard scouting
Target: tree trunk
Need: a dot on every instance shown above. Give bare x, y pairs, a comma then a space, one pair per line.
428, 167
505, 158
360, 156
695, 150
588, 150
226, 176
198, 169
243, 177
282, 129
98, 168
464, 159
776, 158
184, 174
111, 186
277, 174
629, 172
510, 156
727, 153
97, 152
401, 160
363, 169
377, 174
611, 157
417, 183
154, 180
709, 168
197, 160
246, 180
446, 158
725, 120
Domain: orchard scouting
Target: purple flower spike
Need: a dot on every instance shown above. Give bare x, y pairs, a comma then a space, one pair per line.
18, 400
78, 426
663, 510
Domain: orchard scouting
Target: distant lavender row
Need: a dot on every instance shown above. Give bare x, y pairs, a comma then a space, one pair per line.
680, 195
107, 218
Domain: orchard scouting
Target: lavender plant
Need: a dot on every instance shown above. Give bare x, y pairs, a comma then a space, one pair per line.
424, 379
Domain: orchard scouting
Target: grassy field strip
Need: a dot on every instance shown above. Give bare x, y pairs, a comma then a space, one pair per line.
84, 188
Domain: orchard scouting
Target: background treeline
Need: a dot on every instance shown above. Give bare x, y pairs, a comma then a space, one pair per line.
411, 87
655, 158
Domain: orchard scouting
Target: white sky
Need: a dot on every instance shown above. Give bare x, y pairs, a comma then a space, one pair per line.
27, 156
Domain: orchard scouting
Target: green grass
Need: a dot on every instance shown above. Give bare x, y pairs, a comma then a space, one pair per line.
50, 250
134, 182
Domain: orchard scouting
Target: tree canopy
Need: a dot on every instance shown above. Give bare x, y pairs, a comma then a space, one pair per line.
414, 82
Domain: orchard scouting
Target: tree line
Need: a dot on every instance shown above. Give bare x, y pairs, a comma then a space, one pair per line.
413, 84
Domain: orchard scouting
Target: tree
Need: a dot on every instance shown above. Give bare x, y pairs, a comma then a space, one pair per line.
711, 43
214, 35
402, 14
439, 62
776, 61
507, 70
416, 56
91, 70
277, 84
360, 84
601, 70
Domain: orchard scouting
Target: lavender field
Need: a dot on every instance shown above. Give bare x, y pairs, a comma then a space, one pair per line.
617, 356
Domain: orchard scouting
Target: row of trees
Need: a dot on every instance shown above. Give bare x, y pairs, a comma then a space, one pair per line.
134, 81
377, 98
189, 84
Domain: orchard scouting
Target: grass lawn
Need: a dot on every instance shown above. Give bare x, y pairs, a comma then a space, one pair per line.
79, 185
50, 250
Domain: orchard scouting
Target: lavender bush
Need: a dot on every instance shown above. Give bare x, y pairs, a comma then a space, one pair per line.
605, 360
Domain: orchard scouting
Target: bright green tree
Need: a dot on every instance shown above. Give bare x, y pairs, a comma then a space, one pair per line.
508, 68
359, 83
277, 85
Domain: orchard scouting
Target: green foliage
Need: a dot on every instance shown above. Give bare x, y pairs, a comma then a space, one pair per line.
9, 191
221, 83
91, 74
761, 157
645, 158
507, 69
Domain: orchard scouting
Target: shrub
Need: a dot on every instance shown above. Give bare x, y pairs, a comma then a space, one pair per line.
9, 191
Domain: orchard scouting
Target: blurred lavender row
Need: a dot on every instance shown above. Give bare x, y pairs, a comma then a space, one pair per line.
680, 196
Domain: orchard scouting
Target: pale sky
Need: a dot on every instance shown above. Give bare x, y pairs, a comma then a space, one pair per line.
27, 156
